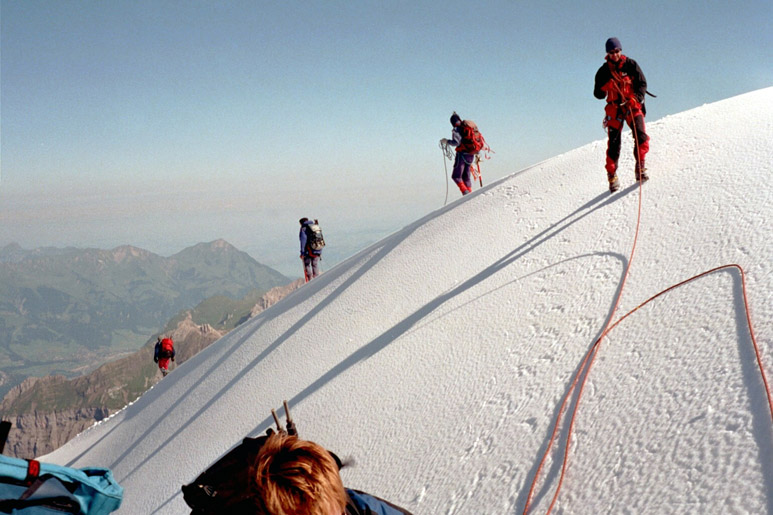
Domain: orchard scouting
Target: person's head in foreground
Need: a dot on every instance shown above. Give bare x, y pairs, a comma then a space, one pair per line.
296, 477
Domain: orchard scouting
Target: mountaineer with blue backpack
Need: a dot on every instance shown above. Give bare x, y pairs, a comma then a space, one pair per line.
312, 243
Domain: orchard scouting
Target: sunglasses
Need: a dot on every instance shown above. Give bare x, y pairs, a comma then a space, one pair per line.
615, 51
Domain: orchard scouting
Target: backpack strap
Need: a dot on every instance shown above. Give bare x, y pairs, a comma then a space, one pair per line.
45, 491
33, 471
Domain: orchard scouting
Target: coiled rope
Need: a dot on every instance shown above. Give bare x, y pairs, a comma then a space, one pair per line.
446, 154
590, 356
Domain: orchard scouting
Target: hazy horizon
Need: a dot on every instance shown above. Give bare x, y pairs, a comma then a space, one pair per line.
166, 233
164, 124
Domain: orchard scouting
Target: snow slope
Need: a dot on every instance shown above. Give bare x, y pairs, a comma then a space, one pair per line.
438, 358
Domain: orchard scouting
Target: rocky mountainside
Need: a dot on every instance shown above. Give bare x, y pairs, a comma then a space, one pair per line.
65, 311
47, 412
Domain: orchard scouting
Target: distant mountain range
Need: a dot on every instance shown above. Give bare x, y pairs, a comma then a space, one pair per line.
48, 411
66, 311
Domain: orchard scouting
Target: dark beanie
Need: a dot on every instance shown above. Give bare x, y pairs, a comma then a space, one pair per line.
613, 44
455, 118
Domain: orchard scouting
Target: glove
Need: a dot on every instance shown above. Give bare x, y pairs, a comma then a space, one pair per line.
155, 359
444, 141
173, 359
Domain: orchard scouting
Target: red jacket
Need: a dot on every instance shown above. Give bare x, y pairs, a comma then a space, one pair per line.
620, 82
164, 350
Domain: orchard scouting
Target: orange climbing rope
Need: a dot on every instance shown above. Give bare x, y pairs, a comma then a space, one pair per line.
591, 353
748, 320
590, 357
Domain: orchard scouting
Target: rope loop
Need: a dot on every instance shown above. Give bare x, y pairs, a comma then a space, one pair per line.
581, 376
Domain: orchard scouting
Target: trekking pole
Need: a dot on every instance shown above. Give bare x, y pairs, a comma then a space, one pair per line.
276, 421
291, 430
445, 170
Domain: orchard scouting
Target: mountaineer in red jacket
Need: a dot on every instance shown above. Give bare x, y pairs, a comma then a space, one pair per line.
622, 83
163, 352
468, 142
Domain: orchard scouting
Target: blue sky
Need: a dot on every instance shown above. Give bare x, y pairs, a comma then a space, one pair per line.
165, 123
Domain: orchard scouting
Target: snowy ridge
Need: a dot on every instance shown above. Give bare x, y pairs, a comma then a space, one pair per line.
438, 357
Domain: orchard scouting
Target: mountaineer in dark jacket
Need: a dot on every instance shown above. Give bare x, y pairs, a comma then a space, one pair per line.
468, 142
309, 256
621, 82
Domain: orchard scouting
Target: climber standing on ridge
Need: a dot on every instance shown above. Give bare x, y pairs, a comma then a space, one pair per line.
468, 142
163, 352
312, 243
622, 83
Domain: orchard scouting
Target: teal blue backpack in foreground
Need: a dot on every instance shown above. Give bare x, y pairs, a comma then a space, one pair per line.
28, 487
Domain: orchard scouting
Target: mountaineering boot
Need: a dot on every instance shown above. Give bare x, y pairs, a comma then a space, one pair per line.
614, 184
641, 172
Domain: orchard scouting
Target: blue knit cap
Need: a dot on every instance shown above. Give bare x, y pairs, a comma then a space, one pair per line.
613, 44
455, 118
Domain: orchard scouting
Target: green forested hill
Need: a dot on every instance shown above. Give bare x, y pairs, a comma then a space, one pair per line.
65, 311
47, 411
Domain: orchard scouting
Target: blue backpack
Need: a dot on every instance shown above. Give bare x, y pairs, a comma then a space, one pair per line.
29, 487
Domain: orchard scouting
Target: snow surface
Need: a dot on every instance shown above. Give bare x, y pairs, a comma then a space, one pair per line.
438, 357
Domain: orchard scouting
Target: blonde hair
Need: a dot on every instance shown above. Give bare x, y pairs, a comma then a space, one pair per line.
296, 477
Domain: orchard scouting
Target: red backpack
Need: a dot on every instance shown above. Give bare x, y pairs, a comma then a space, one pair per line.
472, 139
167, 348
